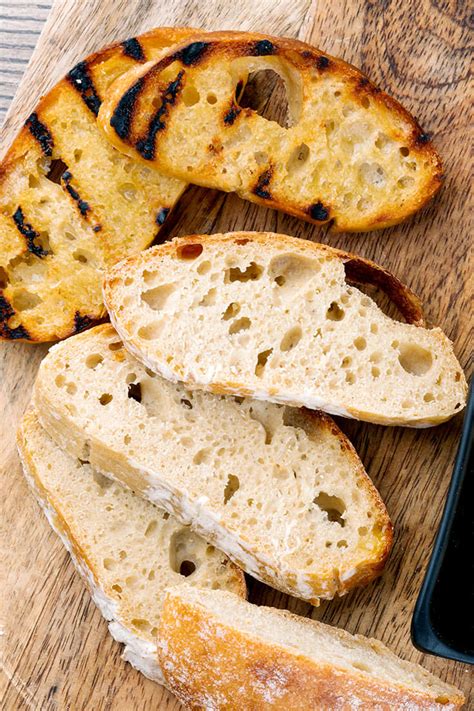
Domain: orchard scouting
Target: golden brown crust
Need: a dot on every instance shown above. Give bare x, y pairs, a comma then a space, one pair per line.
210, 664
132, 128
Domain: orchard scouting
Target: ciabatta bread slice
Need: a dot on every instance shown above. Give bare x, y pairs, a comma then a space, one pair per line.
351, 154
126, 550
280, 490
277, 318
220, 652
71, 205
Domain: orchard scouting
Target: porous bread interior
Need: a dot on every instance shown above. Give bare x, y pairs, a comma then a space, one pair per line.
346, 147
280, 491
133, 550
124, 198
274, 317
319, 642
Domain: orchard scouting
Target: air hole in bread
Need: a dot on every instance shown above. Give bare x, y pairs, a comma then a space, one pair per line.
105, 398
333, 507
151, 528
56, 169
203, 267
211, 98
150, 331
117, 588
266, 94
93, 360
190, 95
405, 182
291, 338
156, 298
241, 324
334, 312
187, 568
404, 151
298, 158
189, 251
71, 388
186, 403
24, 300
33, 181
342, 544
360, 343
109, 563
115, 345
372, 174
202, 456
363, 667
231, 487
375, 372
81, 256
60, 380
142, 625
262, 359
414, 359
209, 298
127, 191
102, 481
292, 271
251, 273
365, 101
134, 392
383, 142
261, 158
231, 311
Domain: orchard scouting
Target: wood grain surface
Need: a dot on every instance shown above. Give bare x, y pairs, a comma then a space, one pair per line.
56, 652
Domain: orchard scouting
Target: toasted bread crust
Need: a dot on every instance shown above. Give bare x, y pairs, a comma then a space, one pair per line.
133, 127
24, 226
209, 664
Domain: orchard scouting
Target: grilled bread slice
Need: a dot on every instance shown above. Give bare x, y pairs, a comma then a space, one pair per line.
126, 550
220, 652
276, 318
280, 490
71, 205
351, 154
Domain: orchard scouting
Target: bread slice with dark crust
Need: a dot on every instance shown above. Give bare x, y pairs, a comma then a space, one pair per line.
70, 205
218, 652
351, 155
280, 490
273, 317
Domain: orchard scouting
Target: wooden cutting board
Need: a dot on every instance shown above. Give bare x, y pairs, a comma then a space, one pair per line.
56, 652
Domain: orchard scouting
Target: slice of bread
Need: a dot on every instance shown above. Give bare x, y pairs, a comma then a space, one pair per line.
71, 205
220, 652
351, 154
280, 490
277, 318
126, 550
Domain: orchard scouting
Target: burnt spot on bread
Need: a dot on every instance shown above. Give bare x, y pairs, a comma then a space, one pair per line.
40, 131
146, 146
231, 114
263, 48
81, 322
192, 54
83, 206
28, 233
133, 49
318, 212
422, 138
6, 312
322, 62
121, 119
97, 228
81, 80
261, 189
161, 215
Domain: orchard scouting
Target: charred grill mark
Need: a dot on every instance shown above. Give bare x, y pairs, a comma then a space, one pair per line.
83, 206
262, 184
322, 63
81, 322
422, 138
317, 211
263, 47
80, 79
363, 82
162, 215
231, 114
123, 114
97, 228
192, 54
146, 146
29, 233
6, 312
132, 48
39, 131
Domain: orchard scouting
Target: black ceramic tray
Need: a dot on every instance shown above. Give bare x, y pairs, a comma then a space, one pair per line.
443, 621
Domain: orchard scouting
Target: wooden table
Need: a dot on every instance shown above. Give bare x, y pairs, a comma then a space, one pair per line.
56, 652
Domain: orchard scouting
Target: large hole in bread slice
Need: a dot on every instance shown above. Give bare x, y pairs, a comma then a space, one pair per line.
333, 507
266, 94
182, 552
